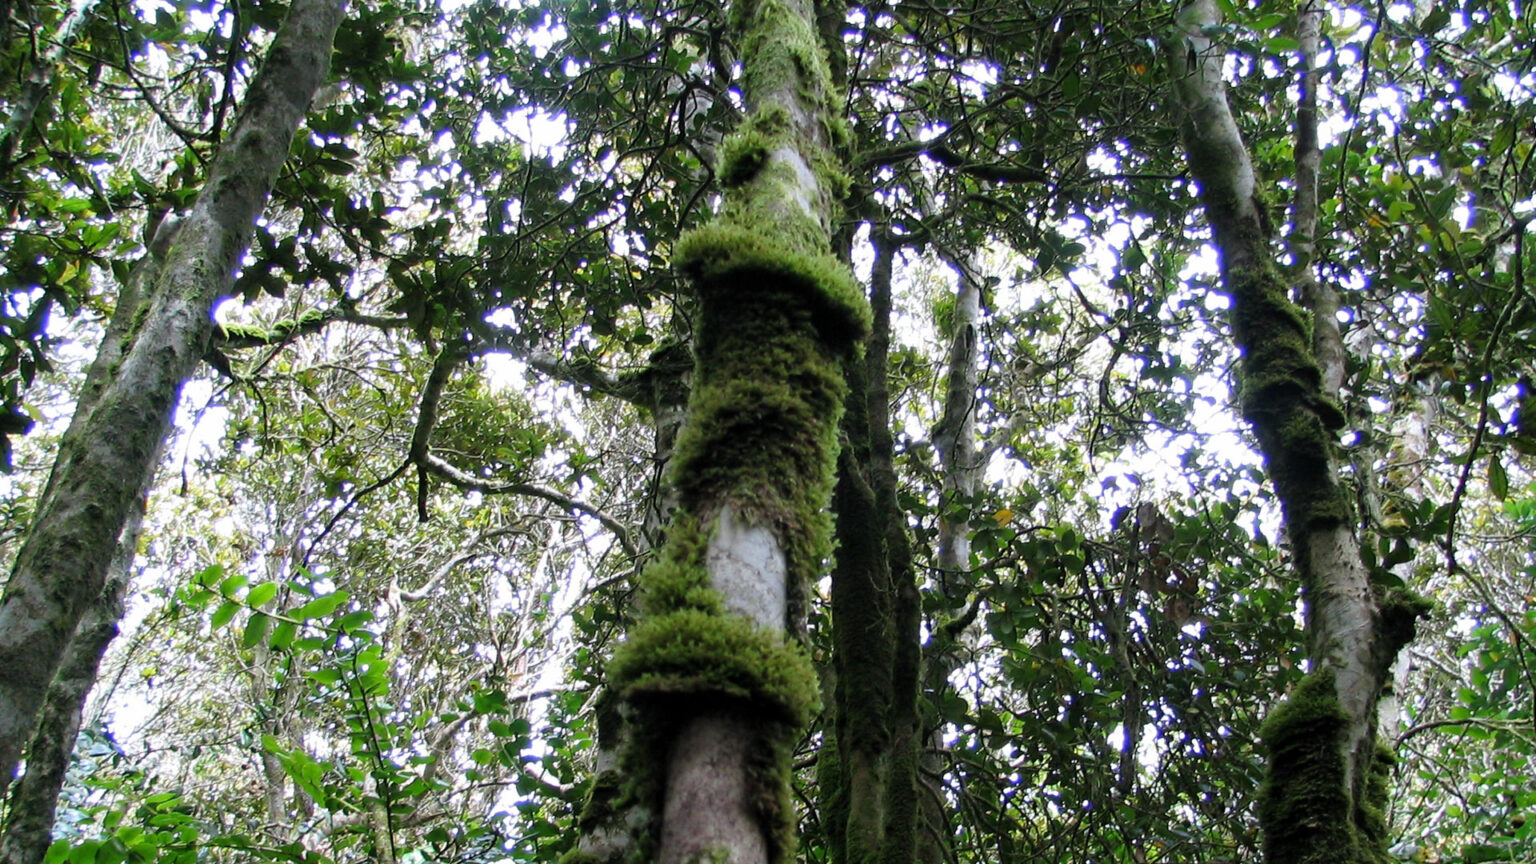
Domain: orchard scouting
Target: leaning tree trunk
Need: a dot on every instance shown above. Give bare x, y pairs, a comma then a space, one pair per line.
106, 467
34, 799
720, 688
1323, 796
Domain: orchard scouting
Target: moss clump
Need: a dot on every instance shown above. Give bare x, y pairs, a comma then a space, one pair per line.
741, 155
677, 579
1275, 337
727, 258
1401, 610
597, 809
278, 332
692, 654
676, 666
1304, 804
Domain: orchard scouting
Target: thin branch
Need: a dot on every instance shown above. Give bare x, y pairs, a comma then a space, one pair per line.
441, 469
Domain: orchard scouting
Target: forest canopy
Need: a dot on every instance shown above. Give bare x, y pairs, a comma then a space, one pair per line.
767, 431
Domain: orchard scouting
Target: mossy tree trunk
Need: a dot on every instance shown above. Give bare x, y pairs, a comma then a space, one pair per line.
719, 687
873, 743
105, 464
1322, 796
33, 801
1324, 789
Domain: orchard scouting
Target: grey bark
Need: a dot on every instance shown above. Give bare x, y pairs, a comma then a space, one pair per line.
103, 469
33, 801
961, 461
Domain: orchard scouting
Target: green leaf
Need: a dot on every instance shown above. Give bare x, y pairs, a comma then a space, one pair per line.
231, 586
320, 607
224, 614
255, 630
209, 576
261, 595
1498, 481
282, 635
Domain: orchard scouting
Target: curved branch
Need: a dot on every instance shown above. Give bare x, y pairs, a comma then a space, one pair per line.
429, 465
440, 468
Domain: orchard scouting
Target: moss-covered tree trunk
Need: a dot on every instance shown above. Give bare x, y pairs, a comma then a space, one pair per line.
719, 687
869, 758
105, 465
1323, 796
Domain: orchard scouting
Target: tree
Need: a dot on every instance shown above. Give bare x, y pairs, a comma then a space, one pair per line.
105, 467
721, 692
414, 590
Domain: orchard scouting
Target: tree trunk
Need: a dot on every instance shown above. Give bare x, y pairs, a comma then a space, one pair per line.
720, 689
106, 466
34, 799
870, 788
1317, 803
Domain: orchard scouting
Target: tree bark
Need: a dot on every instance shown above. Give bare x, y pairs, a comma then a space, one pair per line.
1317, 804
103, 469
720, 690
33, 801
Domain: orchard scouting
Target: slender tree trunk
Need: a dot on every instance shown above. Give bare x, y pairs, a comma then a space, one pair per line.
101, 471
961, 461
1319, 803
34, 799
721, 691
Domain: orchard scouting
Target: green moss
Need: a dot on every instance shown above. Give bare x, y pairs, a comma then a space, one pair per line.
1401, 609
1281, 395
678, 665
677, 579
761, 433
1374, 836
597, 809
741, 155
1304, 804
719, 257
1307, 814
692, 654
574, 855
278, 332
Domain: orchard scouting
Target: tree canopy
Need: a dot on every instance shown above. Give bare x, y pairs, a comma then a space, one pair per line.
1134, 396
